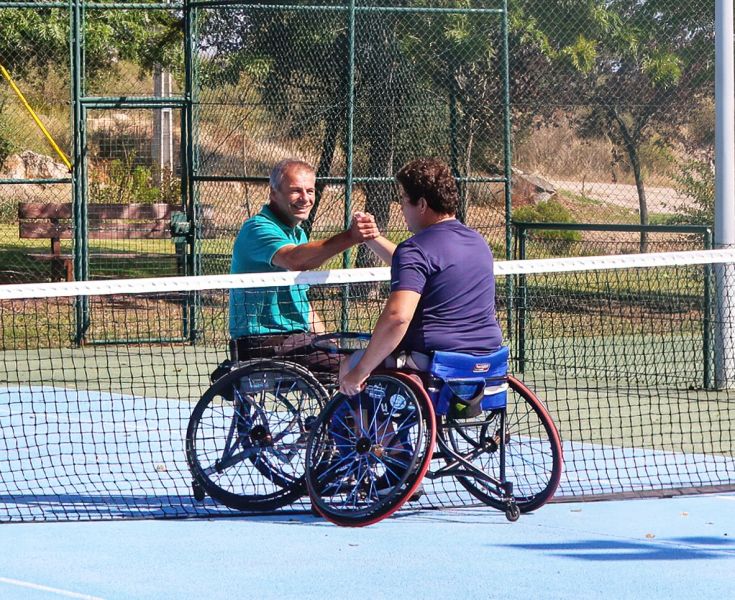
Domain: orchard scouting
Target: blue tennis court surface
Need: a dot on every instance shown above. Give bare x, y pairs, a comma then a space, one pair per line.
87, 455
680, 547
122, 455
94, 455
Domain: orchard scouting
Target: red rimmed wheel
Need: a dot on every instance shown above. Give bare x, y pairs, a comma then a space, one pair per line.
367, 454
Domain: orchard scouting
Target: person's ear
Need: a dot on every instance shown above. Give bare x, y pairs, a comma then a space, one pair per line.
423, 205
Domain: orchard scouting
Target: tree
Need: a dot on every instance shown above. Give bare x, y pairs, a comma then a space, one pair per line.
38, 39
35, 41
293, 67
636, 67
423, 84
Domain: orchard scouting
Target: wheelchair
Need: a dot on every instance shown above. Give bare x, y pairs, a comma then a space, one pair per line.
246, 437
466, 418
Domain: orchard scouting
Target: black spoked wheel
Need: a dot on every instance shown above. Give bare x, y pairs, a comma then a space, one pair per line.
533, 453
246, 439
367, 454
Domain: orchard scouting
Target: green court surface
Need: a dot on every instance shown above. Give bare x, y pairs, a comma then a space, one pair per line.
156, 370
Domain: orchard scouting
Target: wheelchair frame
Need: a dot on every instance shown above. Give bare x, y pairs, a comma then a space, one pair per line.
241, 445
254, 452
367, 506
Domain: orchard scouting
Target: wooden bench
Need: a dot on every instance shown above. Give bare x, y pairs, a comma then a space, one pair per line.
53, 221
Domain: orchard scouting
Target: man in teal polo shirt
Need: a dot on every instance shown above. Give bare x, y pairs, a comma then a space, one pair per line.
280, 321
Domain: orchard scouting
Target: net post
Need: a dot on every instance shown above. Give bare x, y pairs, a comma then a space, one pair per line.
522, 235
724, 348
724, 191
707, 320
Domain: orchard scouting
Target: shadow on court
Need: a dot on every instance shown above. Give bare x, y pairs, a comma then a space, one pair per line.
695, 548
671, 548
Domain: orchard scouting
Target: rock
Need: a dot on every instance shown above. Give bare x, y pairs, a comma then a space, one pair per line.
30, 165
530, 188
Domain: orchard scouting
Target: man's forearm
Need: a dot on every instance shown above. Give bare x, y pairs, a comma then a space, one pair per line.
313, 255
383, 248
317, 325
386, 337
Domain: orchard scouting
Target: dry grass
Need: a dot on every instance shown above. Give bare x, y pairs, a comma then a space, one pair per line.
557, 152
238, 137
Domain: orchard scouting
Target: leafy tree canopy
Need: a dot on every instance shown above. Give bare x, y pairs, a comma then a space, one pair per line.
38, 39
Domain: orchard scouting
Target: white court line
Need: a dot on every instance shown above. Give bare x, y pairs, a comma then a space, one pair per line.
45, 588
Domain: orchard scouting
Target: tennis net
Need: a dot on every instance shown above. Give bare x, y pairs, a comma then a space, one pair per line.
630, 353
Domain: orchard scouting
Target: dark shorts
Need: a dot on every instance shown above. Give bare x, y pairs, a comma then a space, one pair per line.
294, 346
398, 359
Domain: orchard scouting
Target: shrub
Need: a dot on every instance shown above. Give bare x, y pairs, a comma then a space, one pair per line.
128, 183
549, 211
6, 149
696, 181
7, 205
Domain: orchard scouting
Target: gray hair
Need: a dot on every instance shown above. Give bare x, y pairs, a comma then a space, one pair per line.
279, 170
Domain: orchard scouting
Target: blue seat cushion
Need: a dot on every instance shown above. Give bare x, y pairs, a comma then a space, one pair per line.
478, 382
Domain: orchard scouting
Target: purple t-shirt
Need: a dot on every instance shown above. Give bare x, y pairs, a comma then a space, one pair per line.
451, 266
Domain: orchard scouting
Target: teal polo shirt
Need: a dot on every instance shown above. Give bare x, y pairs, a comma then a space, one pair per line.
274, 310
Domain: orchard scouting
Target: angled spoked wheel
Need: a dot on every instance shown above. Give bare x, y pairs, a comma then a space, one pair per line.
533, 452
367, 454
246, 439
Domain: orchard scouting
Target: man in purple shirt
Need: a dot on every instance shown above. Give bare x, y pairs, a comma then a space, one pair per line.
442, 282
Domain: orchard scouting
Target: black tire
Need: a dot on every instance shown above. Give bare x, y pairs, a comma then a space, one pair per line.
367, 454
197, 491
533, 452
246, 439
512, 513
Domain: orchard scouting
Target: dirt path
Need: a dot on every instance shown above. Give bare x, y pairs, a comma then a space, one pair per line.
660, 199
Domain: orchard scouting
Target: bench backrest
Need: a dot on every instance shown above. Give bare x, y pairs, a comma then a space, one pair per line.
106, 221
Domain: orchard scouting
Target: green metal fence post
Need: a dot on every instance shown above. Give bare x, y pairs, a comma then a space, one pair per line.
350, 134
454, 155
507, 161
707, 354
79, 203
522, 236
189, 191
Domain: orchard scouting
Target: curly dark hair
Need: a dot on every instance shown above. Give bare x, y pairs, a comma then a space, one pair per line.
431, 179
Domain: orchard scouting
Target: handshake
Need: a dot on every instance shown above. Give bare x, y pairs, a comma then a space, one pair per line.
363, 228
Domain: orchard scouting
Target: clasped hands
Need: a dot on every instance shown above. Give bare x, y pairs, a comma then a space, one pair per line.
363, 227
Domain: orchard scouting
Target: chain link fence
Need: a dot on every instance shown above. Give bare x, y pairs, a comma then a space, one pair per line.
72, 72
613, 111
357, 94
609, 106
27, 172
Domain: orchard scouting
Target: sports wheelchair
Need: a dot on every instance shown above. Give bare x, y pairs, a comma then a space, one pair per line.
366, 455
266, 431
246, 437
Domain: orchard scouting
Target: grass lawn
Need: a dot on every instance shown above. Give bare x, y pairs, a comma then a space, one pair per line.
152, 257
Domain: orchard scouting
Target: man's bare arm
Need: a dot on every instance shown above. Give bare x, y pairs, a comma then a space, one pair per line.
389, 331
317, 325
313, 255
382, 247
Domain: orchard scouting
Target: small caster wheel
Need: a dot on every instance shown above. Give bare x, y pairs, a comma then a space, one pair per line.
512, 513
198, 491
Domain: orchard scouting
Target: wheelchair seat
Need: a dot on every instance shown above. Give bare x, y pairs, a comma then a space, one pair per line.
464, 385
